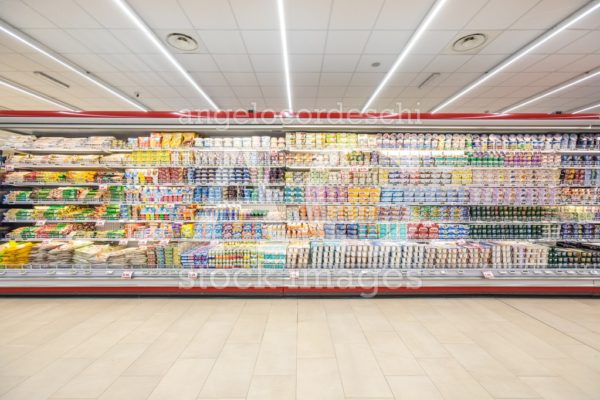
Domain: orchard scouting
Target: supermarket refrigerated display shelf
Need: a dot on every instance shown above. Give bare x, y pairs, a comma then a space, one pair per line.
11, 167
290, 221
346, 185
312, 239
423, 203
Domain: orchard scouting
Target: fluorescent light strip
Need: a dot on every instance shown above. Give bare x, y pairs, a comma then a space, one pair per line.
163, 50
586, 108
21, 37
284, 50
565, 24
411, 43
37, 95
551, 92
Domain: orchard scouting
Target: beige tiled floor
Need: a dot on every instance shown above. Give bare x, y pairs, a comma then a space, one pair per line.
412, 348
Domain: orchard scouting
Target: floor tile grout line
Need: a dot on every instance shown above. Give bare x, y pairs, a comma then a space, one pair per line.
548, 325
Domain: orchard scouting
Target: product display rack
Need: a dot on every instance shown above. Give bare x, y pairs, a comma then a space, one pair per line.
348, 257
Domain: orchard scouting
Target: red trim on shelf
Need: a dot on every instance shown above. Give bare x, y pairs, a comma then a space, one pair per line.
304, 115
281, 291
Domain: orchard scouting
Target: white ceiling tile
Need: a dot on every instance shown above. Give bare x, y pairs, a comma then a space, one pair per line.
370, 80
161, 14
332, 79
207, 79
21, 63
366, 60
339, 63
187, 92
522, 79
525, 62
354, 14
387, 42
42, 62
554, 62
553, 79
20, 15
262, 42
415, 63
332, 91
457, 13
99, 41
65, 14
146, 78
303, 91
432, 42
346, 42
359, 91
223, 42
402, 79
57, 40
559, 41
510, 41
256, 14
500, 14
273, 91
241, 79
402, 14
306, 42
447, 63
305, 78
267, 63
126, 62
197, 62
305, 63
304, 103
458, 79
160, 91
233, 62
278, 103
547, 13
586, 44
270, 78
247, 91
116, 78
221, 91
106, 13
209, 14
587, 63
135, 40
157, 62
307, 14
482, 62
252, 103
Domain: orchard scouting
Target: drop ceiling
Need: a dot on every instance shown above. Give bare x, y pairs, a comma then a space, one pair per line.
332, 47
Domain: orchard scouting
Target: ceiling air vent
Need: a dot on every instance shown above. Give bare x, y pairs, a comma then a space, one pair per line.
181, 41
469, 42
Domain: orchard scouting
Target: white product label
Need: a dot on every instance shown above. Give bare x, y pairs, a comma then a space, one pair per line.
143, 242
100, 223
127, 274
103, 187
163, 242
488, 275
41, 222
123, 242
193, 275
9, 167
294, 274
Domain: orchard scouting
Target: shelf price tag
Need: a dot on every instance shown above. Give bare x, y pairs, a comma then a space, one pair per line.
163, 242
294, 274
9, 167
192, 275
41, 222
103, 187
143, 242
100, 223
128, 274
488, 275
123, 242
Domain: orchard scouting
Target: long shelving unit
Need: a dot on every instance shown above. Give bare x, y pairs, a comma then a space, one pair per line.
452, 204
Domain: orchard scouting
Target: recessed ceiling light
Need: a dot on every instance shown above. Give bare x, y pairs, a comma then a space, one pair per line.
469, 42
548, 35
433, 11
28, 41
37, 95
586, 108
151, 36
429, 79
51, 79
550, 92
181, 41
375, 64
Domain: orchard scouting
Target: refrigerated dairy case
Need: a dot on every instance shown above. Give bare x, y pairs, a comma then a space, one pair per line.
306, 204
